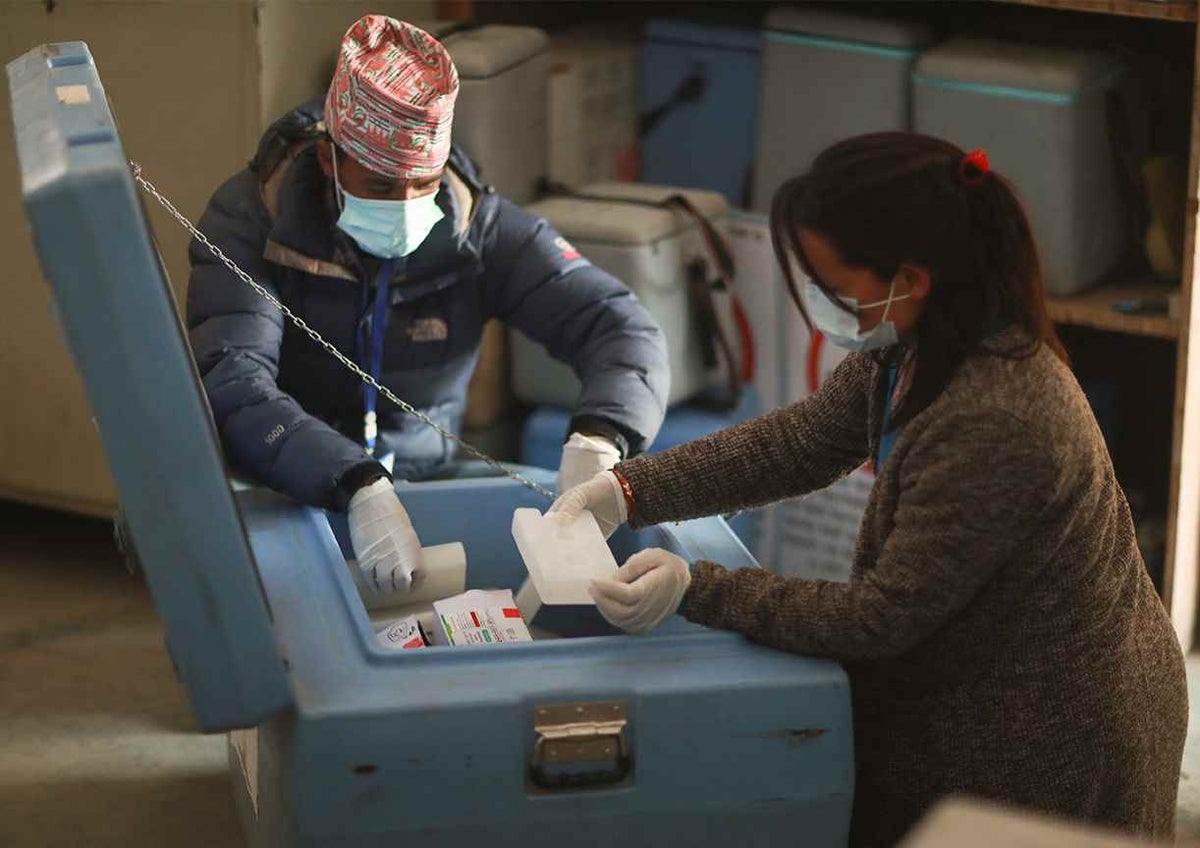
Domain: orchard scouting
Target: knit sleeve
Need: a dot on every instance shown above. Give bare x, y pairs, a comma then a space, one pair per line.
973, 489
787, 452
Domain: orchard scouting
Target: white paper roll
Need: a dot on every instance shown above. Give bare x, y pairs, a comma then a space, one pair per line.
444, 575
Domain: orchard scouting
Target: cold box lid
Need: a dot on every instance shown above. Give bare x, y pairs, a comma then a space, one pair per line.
848, 29
1008, 69
483, 52
116, 308
625, 213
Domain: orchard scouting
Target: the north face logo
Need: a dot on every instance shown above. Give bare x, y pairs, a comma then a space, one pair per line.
567, 250
428, 330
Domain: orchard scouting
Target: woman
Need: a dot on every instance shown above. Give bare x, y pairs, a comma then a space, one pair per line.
1000, 631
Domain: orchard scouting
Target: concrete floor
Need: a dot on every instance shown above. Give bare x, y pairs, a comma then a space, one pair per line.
97, 745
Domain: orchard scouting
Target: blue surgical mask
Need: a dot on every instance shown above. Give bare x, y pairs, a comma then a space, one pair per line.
388, 229
841, 326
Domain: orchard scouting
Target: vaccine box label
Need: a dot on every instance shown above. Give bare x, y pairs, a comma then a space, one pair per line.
402, 634
479, 617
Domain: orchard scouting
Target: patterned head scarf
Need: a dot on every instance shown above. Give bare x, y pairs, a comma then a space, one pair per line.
391, 102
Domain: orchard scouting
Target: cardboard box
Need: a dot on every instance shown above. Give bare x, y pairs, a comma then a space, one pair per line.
479, 617
402, 634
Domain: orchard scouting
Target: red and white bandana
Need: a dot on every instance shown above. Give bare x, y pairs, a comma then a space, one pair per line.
391, 103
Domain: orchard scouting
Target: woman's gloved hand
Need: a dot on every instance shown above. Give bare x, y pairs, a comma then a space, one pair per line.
583, 458
647, 590
601, 496
387, 547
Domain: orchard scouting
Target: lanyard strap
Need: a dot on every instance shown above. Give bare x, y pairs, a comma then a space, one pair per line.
376, 330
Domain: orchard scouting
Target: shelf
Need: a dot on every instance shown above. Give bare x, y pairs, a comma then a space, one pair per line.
1164, 11
1095, 309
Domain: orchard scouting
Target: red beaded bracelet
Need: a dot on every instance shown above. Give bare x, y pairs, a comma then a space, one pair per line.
627, 490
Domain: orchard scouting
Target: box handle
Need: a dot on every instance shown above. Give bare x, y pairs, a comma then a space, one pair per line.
573, 736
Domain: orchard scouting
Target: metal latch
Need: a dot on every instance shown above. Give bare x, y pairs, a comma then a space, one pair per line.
571, 737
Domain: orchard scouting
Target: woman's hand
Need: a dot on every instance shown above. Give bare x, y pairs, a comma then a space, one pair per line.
647, 590
601, 496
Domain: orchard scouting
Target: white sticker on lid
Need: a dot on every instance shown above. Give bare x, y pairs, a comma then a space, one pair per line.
73, 95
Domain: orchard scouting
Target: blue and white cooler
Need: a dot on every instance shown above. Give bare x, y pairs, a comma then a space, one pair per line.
828, 75
1042, 115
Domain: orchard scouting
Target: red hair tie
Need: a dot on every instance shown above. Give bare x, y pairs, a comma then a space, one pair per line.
973, 168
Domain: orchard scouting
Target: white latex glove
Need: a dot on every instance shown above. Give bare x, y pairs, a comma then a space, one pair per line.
387, 547
601, 496
647, 590
583, 458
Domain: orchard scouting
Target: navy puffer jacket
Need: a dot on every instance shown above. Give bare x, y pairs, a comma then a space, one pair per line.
291, 416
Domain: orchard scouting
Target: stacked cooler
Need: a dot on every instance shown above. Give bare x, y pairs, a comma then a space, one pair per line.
1043, 115
827, 76
500, 120
698, 101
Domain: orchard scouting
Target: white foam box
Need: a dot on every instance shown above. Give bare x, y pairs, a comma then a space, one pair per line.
562, 558
500, 115
1042, 114
479, 617
650, 250
828, 75
593, 104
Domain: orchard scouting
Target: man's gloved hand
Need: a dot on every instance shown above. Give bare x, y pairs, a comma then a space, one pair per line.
647, 590
387, 547
601, 496
583, 458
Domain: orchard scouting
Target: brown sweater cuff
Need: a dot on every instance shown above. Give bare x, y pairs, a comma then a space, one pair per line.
704, 600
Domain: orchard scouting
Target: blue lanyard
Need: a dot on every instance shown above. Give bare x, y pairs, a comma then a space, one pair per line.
887, 436
377, 330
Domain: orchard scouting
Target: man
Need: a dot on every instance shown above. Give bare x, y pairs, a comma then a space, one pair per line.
363, 219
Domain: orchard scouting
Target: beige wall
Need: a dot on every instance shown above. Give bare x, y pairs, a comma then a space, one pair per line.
192, 83
182, 80
299, 41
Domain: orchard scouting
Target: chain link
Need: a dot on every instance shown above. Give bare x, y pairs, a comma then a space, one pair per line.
316, 337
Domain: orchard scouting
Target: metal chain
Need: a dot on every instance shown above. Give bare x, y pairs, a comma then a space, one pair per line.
316, 337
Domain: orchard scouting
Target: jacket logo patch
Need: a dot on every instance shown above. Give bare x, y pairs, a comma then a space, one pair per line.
567, 250
428, 330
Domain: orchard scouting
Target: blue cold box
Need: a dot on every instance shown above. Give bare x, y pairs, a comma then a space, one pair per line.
687, 736
701, 84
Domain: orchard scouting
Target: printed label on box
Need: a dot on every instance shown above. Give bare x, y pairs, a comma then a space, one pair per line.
479, 618
404, 633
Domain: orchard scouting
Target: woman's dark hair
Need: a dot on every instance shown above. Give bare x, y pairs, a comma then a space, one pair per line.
889, 198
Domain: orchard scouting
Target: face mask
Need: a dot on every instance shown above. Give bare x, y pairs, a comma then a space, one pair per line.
386, 228
841, 327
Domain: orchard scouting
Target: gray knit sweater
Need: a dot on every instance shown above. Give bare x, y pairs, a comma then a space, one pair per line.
1000, 631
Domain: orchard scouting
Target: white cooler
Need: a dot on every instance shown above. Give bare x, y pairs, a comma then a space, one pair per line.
647, 248
501, 121
827, 76
1039, 112
500, 118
